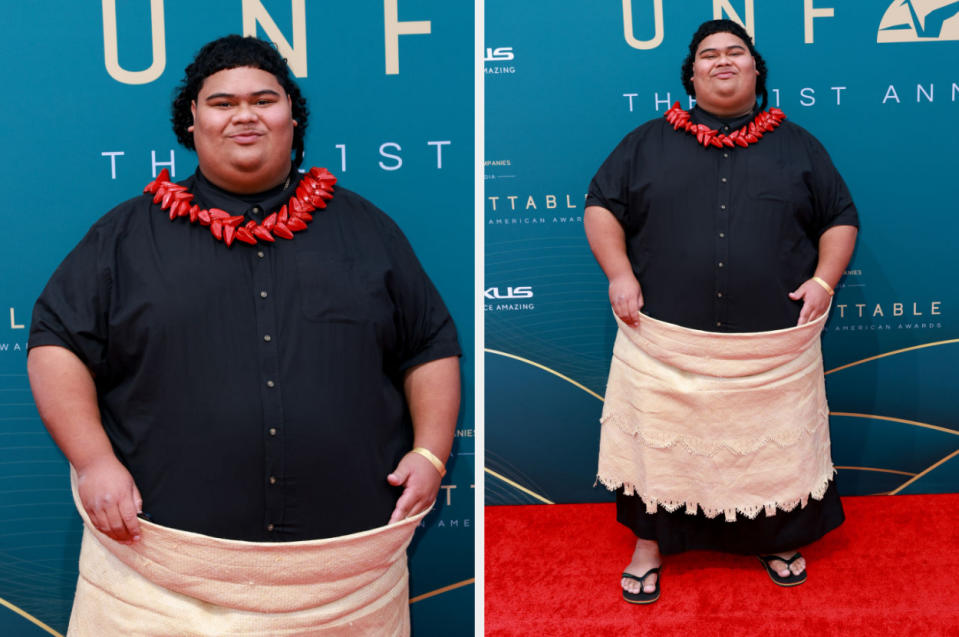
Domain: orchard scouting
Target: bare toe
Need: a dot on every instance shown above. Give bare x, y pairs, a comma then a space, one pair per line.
798, 566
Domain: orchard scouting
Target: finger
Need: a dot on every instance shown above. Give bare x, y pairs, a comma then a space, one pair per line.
137, 499
402, 507
128, 514
99, 519
117, 529
795, 295
418, 507
399, 476
632, 309
620, 311
804, 314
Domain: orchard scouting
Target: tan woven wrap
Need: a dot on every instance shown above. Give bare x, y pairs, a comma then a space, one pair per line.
717, 422
178, 583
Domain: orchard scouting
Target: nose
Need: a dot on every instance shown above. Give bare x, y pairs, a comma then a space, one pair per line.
244, 113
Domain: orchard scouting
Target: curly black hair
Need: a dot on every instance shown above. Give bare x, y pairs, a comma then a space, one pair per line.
705, 30
230, 52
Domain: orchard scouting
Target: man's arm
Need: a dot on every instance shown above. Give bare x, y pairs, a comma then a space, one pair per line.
607, 240
433, 393
835, 249
66, 398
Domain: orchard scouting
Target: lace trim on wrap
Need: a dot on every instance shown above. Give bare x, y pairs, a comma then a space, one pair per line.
710, 447
750, 511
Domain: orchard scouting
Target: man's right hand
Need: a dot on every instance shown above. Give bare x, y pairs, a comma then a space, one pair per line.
111, 499
626, 298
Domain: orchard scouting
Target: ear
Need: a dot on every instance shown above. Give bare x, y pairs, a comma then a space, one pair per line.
192, 112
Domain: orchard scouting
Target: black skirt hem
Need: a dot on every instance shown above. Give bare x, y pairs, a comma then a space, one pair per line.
677, 531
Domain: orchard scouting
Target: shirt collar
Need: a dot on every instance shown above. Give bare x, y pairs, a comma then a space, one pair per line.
701, 116
257, 205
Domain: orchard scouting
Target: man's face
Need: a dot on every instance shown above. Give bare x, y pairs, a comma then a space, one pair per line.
724, 75
243, 129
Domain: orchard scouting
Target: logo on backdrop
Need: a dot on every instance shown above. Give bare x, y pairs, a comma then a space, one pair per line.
14, 341
499, 60
498, 169
389, 156
513, 298
829, 94
903, 21
920, 21
865, 314
530, 209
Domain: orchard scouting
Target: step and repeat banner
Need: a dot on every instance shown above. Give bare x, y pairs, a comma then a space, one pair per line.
390, 88
876, 82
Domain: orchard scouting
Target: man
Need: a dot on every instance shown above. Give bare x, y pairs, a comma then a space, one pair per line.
249, 355
729, 220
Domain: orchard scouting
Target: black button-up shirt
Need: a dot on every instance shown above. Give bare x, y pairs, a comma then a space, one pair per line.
718, 237
254, 392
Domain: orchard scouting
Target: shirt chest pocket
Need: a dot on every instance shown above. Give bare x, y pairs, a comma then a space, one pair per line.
331, 288
773, 188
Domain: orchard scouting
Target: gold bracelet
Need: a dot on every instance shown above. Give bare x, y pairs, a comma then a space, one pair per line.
825, 285
436, 462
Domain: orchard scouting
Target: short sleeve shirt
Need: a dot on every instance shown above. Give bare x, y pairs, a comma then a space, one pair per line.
254, 392
718, 237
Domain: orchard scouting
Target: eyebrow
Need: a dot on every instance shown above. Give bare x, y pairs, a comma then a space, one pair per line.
728, 48
216, 96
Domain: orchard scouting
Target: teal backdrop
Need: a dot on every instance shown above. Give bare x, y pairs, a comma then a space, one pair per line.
86, 126
875, 81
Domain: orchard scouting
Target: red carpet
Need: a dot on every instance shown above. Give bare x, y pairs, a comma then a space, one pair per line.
891, 569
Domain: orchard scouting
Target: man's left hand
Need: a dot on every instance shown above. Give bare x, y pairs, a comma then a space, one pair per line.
815, 300
421, 482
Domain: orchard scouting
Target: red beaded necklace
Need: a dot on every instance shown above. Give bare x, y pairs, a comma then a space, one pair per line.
312, 193
764, 122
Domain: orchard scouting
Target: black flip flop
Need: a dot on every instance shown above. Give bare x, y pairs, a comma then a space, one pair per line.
793, 579
642, 597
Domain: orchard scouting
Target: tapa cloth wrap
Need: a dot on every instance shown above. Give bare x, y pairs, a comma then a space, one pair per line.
731, 423
179, 583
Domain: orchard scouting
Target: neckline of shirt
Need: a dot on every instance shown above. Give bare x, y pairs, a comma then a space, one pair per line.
267, 201
700, 115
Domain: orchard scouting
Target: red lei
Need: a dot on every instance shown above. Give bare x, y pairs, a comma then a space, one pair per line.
312, 193
764, 122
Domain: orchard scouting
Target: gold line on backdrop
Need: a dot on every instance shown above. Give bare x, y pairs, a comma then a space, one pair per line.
892, 353
30, 618
914, 423
518, 486
445, 589
924, 472
900, 473
545, 368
